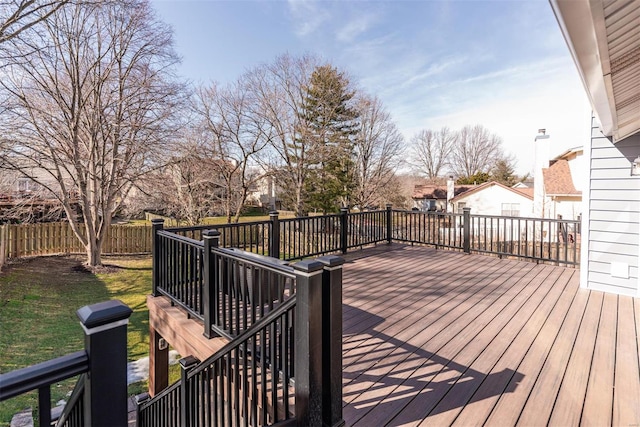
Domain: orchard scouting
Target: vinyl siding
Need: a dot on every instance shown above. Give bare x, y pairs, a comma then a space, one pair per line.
613, 215
489, 200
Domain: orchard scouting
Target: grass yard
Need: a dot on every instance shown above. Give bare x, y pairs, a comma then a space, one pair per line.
38, 301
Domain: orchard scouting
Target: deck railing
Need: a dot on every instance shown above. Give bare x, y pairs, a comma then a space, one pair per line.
100, 395
309, 236
539, 239
443, 230
178, 270
550, 240
227, 288
250, 236
247, 382
251, 381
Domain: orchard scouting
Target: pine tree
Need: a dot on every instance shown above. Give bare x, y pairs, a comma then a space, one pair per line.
331, 123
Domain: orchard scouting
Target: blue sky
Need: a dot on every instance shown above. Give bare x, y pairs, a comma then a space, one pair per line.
502, 64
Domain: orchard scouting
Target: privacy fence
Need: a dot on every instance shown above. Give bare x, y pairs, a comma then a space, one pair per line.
20, 240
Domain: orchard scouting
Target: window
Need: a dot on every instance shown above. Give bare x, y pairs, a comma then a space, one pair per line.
461, 206
510, 209
24, 185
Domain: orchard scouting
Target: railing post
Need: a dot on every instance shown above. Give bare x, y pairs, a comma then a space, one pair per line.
186, 365
211, 240
389, 224
466, 230
332, 340
274, 235
157, 224
105, 394
344, 229
308, 343
44, 406
140, 399
158, 362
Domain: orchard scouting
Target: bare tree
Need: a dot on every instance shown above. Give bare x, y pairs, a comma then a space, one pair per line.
280, 91
433, 151
18, 16
91, 109
187, 188
476, 150
235, 132
378, 145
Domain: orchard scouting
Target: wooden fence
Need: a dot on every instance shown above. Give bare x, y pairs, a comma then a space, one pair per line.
3, 244
20, 240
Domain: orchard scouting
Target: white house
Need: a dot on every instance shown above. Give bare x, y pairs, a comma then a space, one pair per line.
493, 198
604, 39
558, 181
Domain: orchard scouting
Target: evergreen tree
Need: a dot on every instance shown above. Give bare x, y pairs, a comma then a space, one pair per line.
475, 179
330, 124
504, 172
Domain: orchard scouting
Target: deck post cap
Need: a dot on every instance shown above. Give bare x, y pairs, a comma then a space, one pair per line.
103, 313
210, 233
308, 266
331, 260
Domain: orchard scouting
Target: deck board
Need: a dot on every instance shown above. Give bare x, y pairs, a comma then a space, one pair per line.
504, 378
419, 345
462, 392
598, 404
626, 412
570, 398
442, 338
458, 353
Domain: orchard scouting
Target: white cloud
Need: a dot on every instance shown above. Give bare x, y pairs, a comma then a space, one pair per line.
434, 70
355, 27
556, 102
308, 16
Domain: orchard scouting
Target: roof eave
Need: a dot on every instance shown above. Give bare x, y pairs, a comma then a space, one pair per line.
564, 194
582, 29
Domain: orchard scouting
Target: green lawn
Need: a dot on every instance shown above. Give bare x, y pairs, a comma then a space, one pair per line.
38, 301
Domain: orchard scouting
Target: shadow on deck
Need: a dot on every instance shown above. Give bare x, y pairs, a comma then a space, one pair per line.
444, 338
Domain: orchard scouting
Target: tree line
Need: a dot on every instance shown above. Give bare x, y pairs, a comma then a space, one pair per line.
93, 114
472, 155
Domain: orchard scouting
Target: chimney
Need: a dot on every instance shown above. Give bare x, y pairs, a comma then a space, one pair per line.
450, 193
541, 161
541, 149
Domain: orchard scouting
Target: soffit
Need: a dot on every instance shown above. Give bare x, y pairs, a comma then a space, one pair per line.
604, 39
622, 25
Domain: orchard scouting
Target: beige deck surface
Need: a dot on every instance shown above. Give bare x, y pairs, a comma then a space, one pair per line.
444, 338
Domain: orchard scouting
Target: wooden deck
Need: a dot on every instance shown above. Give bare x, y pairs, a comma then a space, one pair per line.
444, 338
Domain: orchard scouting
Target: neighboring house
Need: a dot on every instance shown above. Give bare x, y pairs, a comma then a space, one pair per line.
524, 184
493, 198
23, 199
435, 197
264, 193
558, 194
604, 41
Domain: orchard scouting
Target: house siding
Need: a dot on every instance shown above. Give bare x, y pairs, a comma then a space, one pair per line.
612, 215
488, 201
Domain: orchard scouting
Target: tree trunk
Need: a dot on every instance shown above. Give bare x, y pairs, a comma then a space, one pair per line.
299, 201
93, 249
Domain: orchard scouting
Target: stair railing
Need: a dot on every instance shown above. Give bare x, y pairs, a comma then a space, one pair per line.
100, 398
285, 366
